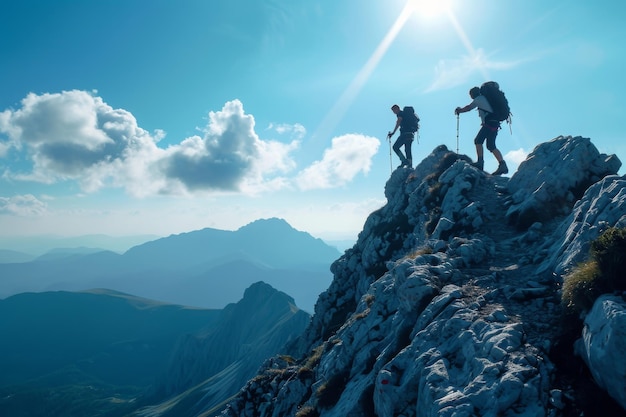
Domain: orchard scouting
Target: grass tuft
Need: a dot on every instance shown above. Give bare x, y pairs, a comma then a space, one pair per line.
601, 274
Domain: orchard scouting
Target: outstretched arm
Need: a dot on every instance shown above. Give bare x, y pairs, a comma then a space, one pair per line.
464, 109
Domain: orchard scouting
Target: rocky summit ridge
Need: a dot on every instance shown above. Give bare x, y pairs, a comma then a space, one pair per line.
449, 302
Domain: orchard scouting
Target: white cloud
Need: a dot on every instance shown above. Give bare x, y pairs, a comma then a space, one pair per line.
22, 205
76, 136
5, 143
348, 155
71, 136
230, 157
515, 158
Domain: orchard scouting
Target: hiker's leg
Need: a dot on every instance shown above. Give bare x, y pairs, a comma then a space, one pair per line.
478, 141
396, 148
407, 147
491, 145
497, 154
479, 151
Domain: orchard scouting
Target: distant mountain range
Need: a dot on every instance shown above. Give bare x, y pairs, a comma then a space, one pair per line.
205, 268
27, 248
107, 353
43, 333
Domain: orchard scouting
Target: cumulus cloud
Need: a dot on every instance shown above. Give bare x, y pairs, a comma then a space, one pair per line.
71, 135
349, 155
517, 156
76, 136
227, 157
22, 205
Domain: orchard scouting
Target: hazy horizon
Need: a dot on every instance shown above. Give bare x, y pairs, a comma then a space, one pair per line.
37, 245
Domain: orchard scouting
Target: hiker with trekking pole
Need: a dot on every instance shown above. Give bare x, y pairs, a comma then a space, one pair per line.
493, 108
408, 123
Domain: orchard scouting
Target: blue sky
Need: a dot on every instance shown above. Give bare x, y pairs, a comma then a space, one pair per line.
160, 117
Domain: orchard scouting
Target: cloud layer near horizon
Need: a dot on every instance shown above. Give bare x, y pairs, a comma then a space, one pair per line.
75, 136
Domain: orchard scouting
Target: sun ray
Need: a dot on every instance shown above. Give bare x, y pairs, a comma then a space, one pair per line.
465, 41
429, 8
348, 96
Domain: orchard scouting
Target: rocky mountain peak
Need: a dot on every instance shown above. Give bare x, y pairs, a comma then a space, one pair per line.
449, 302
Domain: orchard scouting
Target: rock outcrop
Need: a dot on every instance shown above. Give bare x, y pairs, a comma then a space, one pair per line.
603, 345
449, 304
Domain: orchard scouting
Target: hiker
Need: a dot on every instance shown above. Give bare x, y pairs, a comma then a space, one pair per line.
408, 122
488, 130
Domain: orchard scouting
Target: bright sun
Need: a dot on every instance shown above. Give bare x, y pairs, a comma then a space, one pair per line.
429, 9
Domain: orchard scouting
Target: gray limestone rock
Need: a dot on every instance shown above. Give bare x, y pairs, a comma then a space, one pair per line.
446, 304
603, 345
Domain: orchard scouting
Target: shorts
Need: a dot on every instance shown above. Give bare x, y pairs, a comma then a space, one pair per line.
488, 133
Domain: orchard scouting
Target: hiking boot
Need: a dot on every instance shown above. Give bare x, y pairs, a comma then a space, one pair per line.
405, 163
479, 164
408, 163
502, 169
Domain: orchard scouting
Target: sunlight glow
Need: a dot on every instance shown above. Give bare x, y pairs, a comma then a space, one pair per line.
467, 43
429, 9
349, 94
423, 9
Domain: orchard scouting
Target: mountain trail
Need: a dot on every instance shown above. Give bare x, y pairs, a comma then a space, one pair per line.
506, 278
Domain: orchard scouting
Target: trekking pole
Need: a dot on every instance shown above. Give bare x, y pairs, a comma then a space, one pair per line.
390, 164
457, 134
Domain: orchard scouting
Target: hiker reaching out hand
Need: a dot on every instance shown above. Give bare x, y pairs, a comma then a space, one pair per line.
488, 130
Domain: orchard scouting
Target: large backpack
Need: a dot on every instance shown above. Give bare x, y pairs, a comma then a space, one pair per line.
410, 121
497, 100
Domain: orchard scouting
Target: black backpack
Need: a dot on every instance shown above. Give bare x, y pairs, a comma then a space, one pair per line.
497, 100
410, 121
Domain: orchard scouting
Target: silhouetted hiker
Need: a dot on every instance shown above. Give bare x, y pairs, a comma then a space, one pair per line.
488, 130
408, 122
